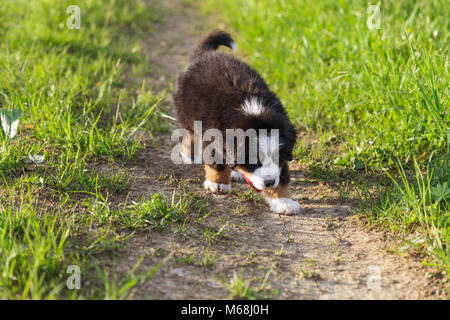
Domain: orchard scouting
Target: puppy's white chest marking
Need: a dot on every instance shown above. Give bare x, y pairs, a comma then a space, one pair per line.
252, 106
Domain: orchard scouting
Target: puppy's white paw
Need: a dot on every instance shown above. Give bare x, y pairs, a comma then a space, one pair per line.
285, 206
236, 176
216, 187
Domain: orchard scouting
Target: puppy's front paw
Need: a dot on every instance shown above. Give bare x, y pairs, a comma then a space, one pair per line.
285, 206
216, 187
236, 176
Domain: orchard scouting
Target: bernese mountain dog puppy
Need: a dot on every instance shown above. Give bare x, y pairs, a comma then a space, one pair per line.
221, 92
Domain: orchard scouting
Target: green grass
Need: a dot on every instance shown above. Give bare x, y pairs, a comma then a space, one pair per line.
382, 93
365, 101
69, 84
420, 204
38, 244
31, 243
158, 213
76, 110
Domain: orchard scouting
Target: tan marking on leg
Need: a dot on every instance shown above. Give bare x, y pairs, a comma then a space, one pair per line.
223, 177
280, 191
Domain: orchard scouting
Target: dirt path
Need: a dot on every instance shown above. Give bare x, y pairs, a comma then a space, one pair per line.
320, 254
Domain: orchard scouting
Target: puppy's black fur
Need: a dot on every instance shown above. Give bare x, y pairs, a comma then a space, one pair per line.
213, 89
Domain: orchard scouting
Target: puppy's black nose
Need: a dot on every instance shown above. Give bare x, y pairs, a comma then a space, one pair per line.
269, 182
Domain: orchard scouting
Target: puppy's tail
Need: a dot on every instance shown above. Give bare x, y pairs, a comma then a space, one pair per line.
212, 41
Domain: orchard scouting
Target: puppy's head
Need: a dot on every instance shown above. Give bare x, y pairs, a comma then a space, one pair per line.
260, 157
264, 171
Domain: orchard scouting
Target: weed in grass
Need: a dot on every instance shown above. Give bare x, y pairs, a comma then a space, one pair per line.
32, 251
185, 258
69, 175
69, 87
104, 240
381, 93
168, 177
209, 258
280, 252
309, 271
78, 102
38, 244
242, 210
329, 223
213, 233
239, 288
248, 195
421, 203
182, 230
114, 289
157, 213
336, 251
